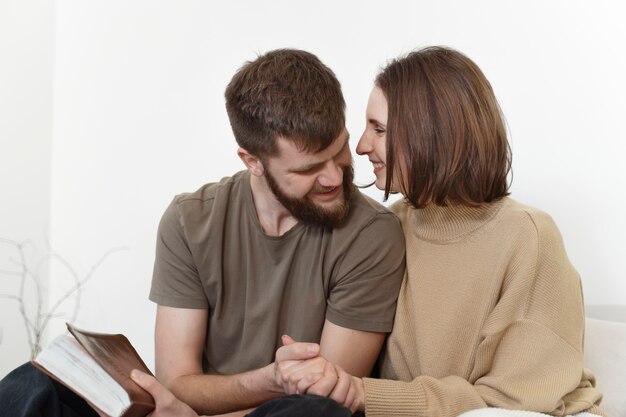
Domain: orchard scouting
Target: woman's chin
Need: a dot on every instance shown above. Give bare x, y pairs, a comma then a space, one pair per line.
380, 184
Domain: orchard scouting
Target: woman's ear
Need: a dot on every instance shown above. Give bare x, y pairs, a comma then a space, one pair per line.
253, 163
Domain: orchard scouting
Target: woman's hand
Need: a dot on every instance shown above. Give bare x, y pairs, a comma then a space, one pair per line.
167, 405
300, 371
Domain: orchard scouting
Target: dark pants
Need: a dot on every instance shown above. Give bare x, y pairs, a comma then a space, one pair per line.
28, 392
301, 406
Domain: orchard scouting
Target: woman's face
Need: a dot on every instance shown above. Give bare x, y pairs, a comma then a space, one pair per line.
374, 139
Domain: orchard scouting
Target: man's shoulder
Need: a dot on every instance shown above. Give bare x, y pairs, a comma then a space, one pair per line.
212, 190
208, 201
366, 212
365, 206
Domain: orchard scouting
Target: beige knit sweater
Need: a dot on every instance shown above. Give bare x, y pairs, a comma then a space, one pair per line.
490, 314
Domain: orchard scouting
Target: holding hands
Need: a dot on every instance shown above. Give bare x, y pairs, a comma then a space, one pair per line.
299, 369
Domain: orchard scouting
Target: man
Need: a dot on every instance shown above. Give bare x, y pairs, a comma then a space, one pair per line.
287, 247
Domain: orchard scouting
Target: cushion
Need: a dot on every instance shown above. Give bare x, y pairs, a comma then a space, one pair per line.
605, 355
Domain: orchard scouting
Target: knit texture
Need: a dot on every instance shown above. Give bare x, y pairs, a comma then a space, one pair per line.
490, 314
501, 412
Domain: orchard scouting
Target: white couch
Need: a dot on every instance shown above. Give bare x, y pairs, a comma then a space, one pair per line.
605, 354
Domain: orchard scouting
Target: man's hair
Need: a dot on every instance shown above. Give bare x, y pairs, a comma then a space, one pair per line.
285, 93
445, 131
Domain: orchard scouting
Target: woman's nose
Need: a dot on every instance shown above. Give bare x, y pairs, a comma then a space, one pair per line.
364, 146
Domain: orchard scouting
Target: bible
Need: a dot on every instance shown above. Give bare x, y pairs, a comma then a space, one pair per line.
97, 367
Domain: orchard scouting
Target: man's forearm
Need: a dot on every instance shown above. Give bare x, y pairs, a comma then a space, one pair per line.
219, 394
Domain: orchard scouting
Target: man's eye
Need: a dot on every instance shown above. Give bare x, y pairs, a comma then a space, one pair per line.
307, 170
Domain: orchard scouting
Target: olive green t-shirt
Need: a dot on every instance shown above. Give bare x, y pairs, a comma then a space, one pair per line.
213, 254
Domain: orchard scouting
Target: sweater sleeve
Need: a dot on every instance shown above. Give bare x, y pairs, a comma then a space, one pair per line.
424, 396
529, 356
532, 368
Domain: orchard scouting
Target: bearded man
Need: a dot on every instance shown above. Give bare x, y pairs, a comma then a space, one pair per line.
286, 247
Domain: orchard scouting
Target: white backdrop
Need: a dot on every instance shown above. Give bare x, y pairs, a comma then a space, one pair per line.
26, 45
138, 116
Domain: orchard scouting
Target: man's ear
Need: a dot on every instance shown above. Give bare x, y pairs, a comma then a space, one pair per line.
253, 163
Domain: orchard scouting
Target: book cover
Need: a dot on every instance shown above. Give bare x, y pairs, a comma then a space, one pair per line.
97, 367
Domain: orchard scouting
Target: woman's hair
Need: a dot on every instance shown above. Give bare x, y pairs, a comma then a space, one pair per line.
446, 137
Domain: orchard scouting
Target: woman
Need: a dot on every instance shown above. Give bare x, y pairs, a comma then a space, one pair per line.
490, 313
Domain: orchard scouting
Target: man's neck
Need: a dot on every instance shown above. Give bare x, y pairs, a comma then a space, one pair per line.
274, 218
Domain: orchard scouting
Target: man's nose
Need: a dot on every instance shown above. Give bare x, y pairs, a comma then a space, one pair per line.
332, 175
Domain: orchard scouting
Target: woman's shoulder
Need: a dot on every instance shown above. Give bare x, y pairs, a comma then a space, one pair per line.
400, 208
528, 216
506, 219
540, 219
509, 210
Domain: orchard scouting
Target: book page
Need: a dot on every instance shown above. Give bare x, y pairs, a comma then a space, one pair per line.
70, 363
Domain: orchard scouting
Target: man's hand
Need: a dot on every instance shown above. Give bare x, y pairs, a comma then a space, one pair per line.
291, 371
318, 376
167, 405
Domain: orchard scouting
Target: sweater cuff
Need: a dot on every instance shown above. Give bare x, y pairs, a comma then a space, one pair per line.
404, 398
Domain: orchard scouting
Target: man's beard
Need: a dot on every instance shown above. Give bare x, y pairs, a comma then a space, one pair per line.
306, 211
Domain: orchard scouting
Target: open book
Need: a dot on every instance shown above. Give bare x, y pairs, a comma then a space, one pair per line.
97, 367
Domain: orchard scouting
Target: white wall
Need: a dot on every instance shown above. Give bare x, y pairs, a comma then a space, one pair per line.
139, 117
26, 29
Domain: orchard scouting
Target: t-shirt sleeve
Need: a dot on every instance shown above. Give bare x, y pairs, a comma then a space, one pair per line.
364, 293
175, 280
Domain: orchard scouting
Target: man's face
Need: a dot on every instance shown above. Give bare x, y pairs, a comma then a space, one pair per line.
314, 187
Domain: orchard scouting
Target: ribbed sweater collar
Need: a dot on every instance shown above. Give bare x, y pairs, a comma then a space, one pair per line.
451, 223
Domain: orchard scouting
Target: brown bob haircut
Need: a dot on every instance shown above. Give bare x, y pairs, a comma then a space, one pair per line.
445, 131
285, 93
